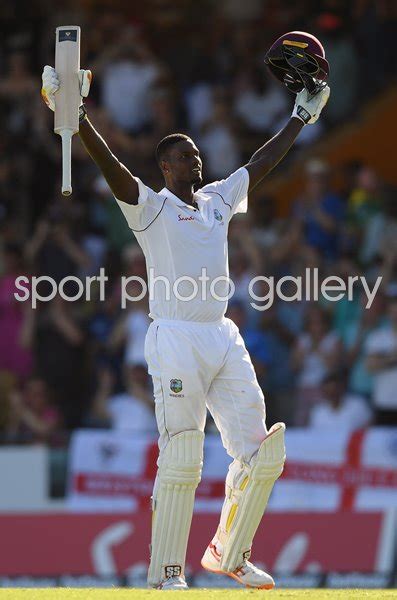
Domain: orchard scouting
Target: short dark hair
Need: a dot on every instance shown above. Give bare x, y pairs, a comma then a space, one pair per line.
339, 375
168, 141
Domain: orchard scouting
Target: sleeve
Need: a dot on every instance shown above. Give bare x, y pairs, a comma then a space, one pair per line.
140, 216
233, 191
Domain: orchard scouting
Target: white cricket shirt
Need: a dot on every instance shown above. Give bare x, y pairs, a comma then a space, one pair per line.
383, 341
178, 241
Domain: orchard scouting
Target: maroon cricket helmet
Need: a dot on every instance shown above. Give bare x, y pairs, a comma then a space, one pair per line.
298, 60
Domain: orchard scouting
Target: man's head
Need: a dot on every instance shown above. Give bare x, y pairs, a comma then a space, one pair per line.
179, 159
333, 386
136, 375
317, 175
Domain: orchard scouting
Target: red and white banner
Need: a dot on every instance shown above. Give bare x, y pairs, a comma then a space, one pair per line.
324, 471
108, 545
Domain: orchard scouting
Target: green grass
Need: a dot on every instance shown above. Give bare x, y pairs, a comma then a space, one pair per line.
193, 594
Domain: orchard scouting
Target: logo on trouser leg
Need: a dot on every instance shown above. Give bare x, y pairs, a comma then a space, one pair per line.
176, 385
172, 571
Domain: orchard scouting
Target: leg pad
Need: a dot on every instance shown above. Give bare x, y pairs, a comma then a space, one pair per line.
178, 476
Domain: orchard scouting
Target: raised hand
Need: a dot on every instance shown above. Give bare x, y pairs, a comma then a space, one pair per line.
308, 108
51, 84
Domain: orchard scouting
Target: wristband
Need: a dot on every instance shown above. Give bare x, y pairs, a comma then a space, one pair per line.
82, 113
303, 114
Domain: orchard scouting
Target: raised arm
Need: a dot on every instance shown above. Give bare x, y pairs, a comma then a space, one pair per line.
120, 180
122, 183
270, 154
306, 111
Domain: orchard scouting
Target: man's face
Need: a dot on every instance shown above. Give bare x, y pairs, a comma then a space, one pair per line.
332, 390
183, 163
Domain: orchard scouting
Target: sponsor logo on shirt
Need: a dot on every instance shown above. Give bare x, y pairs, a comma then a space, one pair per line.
217, 215
182, 218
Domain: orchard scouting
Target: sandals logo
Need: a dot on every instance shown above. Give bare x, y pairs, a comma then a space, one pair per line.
176, 385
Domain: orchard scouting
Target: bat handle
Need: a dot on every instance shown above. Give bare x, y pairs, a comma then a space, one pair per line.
66, 136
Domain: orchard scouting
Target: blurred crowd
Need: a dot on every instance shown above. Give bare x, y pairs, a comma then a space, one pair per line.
177, 65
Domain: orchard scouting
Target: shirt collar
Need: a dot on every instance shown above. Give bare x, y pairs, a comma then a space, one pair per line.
200, 197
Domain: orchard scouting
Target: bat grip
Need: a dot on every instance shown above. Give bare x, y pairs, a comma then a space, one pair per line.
66, 136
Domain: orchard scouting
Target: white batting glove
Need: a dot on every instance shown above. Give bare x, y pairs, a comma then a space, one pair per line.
308, 108
51, 85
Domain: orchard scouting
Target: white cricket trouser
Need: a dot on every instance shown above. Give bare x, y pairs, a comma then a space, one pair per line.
205, 365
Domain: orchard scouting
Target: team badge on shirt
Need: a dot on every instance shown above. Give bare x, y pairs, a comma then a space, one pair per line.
217, 215
176, 385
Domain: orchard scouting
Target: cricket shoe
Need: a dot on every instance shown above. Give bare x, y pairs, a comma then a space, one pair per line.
173, 583
246, 574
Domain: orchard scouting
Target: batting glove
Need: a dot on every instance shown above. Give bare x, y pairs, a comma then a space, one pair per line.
307, 107
51, 85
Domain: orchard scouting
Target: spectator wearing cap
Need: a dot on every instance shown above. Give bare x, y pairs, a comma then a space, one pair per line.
319, 212
338, 409
381, 352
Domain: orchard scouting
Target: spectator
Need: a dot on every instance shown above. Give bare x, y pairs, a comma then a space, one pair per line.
54, 249
20, 86
15, 317
130, 331
364, 213
337, 409
279, 326
342, 56
319, 212
34, 418
317, 350
131, 410
9, 421
58, 342
219, 143
260, 102
129, 72
381, 350
255, 341
355, 338
245, 257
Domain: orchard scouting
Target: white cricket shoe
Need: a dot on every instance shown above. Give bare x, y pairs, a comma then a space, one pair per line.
173, 583
246, 574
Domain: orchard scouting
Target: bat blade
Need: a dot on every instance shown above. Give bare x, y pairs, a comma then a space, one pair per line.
67, 99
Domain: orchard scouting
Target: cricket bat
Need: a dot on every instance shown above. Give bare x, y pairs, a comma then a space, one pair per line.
67, 99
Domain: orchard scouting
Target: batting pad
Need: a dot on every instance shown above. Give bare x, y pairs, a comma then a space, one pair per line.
248, 487
173, 498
